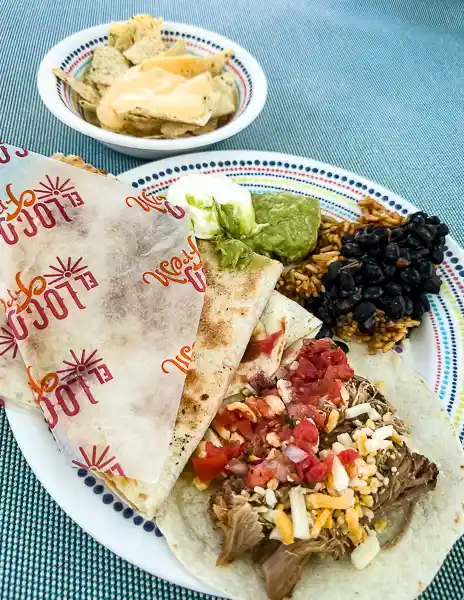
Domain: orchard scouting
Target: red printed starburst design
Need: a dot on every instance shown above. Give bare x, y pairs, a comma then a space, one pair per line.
64, 271
8, 342
81, 366
50, 189
101, 462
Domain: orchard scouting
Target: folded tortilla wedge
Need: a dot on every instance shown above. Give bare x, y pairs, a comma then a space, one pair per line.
233, 304
399, 573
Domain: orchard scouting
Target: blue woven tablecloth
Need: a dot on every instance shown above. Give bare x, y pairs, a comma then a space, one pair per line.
373, 86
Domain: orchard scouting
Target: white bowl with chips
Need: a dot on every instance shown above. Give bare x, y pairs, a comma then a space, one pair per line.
73, 55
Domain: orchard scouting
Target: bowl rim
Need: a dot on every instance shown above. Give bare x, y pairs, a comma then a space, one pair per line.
46, 85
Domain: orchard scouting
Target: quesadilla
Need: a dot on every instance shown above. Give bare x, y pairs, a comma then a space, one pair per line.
326, 470
233, 304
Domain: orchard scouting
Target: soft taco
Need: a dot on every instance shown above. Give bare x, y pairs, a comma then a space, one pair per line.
233, 304
345, 457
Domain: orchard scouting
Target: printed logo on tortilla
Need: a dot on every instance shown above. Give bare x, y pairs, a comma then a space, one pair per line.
8, 342
187, 268
22, 212
46, 296
61, 389
158, 203
99, 462
6, 153
181, 362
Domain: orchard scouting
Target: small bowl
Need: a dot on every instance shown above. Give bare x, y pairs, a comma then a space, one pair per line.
74, 53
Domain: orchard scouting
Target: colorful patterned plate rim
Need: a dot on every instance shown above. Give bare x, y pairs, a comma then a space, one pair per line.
435, 349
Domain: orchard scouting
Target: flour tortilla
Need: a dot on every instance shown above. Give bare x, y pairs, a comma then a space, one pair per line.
233, 304
281, 315
400, 573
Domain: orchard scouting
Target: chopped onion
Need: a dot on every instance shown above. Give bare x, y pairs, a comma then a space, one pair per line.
363, 554
340, 477
281, 471
382, 433
358, 409
238, 467
299, 513
345, 440
295, 454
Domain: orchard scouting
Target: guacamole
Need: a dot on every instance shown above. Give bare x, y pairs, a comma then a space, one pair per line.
287, 228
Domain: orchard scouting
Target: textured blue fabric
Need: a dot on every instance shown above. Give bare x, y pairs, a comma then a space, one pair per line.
372, 86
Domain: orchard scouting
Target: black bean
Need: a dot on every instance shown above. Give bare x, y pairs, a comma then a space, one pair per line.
367, 240
397, 234
382, 235
432, 229
423, 235
437, 256
345, 293
389, 270
324, 332
372, 272
332, 272
409, 306
440, 241
413, 275
341, 307
393, 288
342, 346
425, 301
418, 219
369, 260
351, 250
346, 281
407, 287
333, 292
418, 310
426, 269
370, 228
433, 220
367, 327
363, 311
356, 296
442, 229
412, 242
419, 254
432, 285
394, 306
373, 292
325, 315
392, 252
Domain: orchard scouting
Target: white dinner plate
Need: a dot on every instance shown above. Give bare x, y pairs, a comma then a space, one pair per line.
435, 349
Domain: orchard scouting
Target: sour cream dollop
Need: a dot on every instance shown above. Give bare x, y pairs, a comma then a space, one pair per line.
214, 203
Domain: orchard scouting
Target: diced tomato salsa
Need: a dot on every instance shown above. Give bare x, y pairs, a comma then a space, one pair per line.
316, 385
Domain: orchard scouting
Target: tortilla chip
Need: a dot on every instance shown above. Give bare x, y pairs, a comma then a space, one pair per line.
107, 65
85, 90
145, 49
188, 65
90, 112
101, 88
177, 49
171, 129
124, 35
228, 96
77, 161
139, 122
121, 36
145, 26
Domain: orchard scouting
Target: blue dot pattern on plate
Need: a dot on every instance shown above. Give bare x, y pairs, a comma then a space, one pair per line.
109, 499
